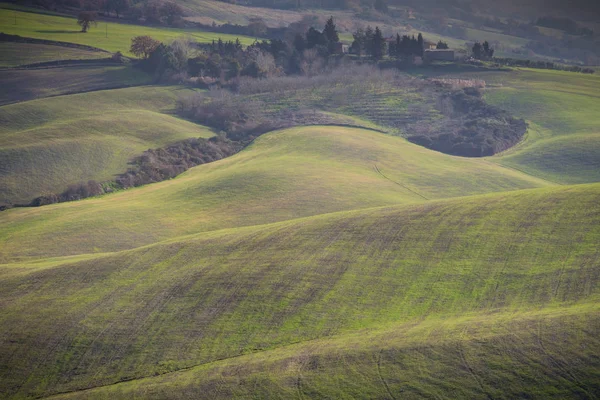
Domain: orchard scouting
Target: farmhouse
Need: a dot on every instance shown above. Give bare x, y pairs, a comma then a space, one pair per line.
429, 45
438, 55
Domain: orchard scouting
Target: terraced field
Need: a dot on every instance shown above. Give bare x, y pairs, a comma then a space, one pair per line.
16, 54
84, 136
29, 84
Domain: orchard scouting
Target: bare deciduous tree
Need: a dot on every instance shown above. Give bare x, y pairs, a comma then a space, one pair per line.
143, 46
86, 19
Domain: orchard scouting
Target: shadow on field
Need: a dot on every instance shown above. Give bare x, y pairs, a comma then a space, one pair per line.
57, 31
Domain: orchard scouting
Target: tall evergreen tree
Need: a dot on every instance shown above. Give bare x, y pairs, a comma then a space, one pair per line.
377, 45
369, 40
330, 31
358, 46
420, 45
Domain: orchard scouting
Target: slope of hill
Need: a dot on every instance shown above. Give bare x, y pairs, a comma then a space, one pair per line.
29, 84
286, 174
107, 36
84, 136
454, 297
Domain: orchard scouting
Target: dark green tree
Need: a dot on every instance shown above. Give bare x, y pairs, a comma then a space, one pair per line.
377, 45
330, 32
358, 46
477, 51
299, 43
441, 45
420, 45
315, 38
487, 50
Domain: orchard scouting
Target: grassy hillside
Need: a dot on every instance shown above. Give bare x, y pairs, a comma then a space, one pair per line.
286, 174
460, 297
84, 136
64, 29
15, 54
563, 144
537, 354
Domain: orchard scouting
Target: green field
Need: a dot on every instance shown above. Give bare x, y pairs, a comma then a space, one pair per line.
84, 136
107, 36
486, 295
283, 175
15, 54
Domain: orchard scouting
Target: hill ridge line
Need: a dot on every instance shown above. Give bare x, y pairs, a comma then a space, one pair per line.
232, 230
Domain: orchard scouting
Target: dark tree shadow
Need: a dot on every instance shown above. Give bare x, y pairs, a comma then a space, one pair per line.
59, 31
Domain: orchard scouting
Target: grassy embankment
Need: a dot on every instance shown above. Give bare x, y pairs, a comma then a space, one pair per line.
283, 175
486, 296
65, 29
48, 144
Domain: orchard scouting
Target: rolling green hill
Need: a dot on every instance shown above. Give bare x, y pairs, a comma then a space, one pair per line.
84, 136
473, 297
107, 36
286, 174
563, 144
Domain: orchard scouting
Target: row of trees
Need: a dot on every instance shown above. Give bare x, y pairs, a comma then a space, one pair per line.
482, 51
226, 60
370, 42
406, 46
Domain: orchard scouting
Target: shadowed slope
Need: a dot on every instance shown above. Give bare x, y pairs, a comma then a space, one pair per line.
531, 255
286, 174
28, 84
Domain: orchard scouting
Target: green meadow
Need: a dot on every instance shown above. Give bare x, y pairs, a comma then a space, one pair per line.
108, 36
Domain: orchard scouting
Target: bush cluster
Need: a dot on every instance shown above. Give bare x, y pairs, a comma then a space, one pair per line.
472, 128
153, 165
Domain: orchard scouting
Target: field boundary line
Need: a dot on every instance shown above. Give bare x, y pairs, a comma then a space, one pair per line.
397, 183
